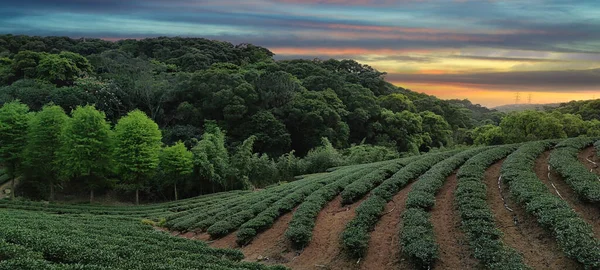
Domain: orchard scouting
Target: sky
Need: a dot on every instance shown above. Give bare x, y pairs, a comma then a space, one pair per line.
484, 50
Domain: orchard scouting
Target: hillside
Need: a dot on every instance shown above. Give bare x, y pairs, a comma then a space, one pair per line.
182, 83
522, 107
496, 207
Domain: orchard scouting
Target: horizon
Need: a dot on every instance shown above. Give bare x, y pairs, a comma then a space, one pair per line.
484, 51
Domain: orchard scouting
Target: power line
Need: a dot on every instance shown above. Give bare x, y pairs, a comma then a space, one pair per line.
529, 98
517, 97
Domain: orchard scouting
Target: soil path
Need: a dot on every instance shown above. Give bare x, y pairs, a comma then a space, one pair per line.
589, 212
324, 250
586, 154
454, 249
384, 244
539, 248
271, 245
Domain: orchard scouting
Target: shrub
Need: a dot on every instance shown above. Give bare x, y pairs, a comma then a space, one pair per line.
572, 233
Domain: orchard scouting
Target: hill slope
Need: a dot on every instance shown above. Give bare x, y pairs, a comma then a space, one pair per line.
497, 207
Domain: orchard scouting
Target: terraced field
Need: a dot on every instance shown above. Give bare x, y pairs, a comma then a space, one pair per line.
527, 206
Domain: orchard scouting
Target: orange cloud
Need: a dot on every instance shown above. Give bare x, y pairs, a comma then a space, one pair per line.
342, 51
492, 98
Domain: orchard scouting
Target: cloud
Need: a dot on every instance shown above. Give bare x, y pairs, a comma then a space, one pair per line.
545, 81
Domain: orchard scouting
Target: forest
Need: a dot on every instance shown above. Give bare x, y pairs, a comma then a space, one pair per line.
173, 117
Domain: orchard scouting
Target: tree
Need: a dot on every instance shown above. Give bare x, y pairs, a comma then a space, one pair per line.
530, 126
14, 118
211, 159
401, 129
314, 115
34, 93
86, 149
137, 148
323, 157
271, 135
176, 162
437, 128
396, 103
241, 160
488, 134
58, 70
43, 145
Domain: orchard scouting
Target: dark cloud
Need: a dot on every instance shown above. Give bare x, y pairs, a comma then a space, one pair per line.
489, 24
546, 81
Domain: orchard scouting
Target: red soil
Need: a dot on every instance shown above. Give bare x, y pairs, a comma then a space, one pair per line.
589, 153
271, 245
454, 249
324, 250
589, 212
384, 250
539, 248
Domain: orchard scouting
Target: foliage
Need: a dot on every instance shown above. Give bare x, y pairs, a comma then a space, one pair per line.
366, 153
301, 226
477, 218
572, 233
176, 162
564, 160
323, 157
488, 135
33, 240
417, 237
359, 188
43, 144
263, 170
183, 82
266, 218
355, 237
86, 149
290, 165
14, 117
211, 159
137, 148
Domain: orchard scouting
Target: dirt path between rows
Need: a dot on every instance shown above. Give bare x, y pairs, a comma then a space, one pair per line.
590, 213
589, 153
539, 248
454, 248
384, 250
271, 246
324, 250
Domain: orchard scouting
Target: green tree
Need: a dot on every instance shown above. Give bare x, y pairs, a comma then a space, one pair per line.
176, 162
85, 153
323, 157
401, 129
530, 126
241, 161
43, 145
397, 103
593, 128
271, 135
211, 159
436, 128
58, 70
573, 124
488, 135
137, 148
14, 118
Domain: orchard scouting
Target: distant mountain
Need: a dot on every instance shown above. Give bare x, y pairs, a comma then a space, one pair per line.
524, 107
